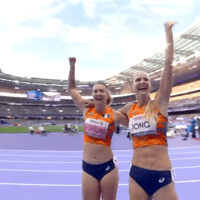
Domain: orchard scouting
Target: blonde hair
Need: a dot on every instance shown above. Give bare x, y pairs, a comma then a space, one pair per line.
138, 72
150, 108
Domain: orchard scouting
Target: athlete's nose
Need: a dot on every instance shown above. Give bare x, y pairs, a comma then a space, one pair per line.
98, 92
142, 80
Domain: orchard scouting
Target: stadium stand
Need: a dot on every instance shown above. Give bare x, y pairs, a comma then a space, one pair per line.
185, 94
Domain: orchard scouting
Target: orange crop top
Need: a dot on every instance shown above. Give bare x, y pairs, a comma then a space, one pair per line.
146, 133
99, 126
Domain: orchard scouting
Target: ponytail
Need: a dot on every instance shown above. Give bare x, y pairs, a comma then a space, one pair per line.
150, 110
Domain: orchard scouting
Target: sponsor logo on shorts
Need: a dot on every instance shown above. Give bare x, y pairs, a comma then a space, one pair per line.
108, 167
161, 180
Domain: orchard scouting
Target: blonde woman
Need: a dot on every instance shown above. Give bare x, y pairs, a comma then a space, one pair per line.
100, 172
151, 173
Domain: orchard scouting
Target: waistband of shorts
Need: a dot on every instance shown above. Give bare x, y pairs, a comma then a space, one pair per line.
135, 166
109, 162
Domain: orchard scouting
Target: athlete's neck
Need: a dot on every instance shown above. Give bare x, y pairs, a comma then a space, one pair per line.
142, 100
100, 108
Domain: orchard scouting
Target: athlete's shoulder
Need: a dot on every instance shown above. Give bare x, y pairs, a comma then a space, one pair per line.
131, 105
88, 111
127, 107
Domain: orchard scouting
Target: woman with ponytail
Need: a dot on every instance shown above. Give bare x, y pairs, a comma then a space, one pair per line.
100, 172
151, 173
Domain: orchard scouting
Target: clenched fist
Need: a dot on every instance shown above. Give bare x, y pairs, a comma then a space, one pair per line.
169, 24
72, 61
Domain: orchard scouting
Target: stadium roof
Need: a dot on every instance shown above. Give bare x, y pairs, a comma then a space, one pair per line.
186, 45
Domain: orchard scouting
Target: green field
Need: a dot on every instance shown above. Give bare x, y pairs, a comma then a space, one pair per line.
24, 129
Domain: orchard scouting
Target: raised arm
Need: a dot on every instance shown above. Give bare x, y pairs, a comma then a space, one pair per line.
166, 83
78, 100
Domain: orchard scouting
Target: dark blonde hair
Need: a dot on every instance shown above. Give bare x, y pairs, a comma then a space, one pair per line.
109, 100
150, 108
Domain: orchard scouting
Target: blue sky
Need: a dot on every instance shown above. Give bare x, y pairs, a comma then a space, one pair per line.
106, 36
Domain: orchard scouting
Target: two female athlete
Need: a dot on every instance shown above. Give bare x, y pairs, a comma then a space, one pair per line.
151, 173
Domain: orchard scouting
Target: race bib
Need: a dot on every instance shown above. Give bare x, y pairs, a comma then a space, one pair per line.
96, 128
139, 126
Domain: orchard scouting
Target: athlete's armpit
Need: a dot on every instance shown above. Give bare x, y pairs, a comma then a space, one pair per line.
125, 110
120, 118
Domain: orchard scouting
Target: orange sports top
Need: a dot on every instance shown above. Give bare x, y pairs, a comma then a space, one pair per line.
147, 133
99, 126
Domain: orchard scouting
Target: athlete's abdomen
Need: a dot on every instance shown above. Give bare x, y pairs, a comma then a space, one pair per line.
152, 157
95, 154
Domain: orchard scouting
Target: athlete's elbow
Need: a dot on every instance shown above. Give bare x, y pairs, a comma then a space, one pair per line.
71, 91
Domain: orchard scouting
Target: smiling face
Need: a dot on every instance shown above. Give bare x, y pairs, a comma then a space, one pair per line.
100, 94
141, 83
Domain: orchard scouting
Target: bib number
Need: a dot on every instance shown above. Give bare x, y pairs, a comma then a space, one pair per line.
139, 126
96, 128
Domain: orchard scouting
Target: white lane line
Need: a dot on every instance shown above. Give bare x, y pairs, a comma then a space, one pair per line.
168, 148
51, 162
77, 185
38, 156
40, 162
43, 151
46, 171
190, 152
192, 158
77, 171
44, 185
58, 156
186, 167
187, 181
47, 151
184, 147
